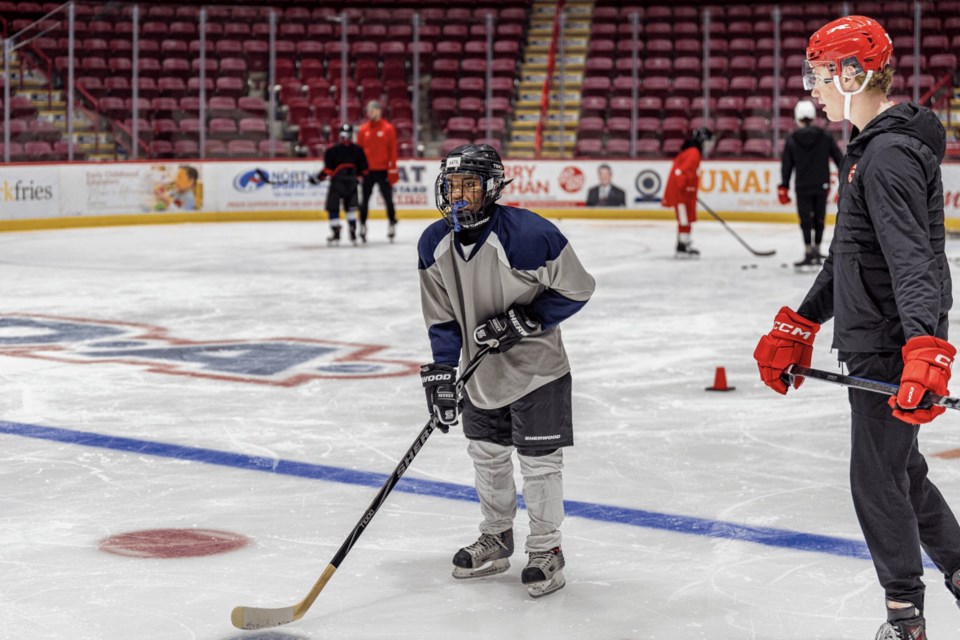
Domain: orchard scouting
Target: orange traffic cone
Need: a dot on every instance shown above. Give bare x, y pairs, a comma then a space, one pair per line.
720, 381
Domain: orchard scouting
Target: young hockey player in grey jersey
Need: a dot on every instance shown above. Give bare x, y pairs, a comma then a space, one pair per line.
503, 277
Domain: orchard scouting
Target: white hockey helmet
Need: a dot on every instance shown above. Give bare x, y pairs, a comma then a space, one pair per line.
804, 110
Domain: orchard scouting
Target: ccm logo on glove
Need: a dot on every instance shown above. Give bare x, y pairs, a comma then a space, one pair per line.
792, 330
926, 369
789, 342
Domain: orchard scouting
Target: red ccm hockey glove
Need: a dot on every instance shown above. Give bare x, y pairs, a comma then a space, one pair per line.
789, 342
926, 367
783, 193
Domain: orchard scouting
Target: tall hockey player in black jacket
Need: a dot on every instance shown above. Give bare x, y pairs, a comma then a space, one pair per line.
344, 163
809, 150
887, 285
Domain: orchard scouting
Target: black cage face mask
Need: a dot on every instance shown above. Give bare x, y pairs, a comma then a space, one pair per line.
457, 210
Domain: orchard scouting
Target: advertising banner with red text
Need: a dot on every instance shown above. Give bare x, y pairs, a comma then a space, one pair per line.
286, 188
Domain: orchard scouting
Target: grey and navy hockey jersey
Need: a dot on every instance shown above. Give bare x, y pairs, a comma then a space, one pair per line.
522, 259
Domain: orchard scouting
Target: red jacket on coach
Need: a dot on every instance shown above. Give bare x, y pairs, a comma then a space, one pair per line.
683, 180
379, 142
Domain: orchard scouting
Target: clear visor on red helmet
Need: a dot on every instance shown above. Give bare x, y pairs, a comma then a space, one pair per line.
820, 73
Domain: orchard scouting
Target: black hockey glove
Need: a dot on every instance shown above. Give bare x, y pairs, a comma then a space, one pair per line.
440, 383
503, 331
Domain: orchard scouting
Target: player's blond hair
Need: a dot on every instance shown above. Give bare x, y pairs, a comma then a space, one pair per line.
880, 80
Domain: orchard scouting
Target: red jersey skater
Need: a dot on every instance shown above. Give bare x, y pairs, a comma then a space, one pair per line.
681, 190
378, 138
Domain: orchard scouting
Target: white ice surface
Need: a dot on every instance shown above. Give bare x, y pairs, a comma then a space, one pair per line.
648, 437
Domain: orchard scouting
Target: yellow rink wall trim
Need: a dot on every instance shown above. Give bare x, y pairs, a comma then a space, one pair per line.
580, 213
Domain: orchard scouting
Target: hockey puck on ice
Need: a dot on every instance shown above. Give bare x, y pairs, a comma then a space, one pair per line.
173, 543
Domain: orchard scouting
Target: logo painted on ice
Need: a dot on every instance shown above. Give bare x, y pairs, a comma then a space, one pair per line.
282, 362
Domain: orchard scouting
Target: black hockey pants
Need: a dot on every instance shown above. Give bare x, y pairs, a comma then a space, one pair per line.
899, 509
345, 191
812, 208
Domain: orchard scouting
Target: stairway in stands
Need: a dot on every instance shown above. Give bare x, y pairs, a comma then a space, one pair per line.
562, 107
51, 107
951, 119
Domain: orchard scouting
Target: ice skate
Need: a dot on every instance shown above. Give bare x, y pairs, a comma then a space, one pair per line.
486, 557
953, 584
363, 233
391, 231
809, 260
817, 256
544, 572
687, 250
333, 239
353, 234
908, 629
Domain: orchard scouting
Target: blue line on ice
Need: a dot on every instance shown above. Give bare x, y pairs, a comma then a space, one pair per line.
782, 538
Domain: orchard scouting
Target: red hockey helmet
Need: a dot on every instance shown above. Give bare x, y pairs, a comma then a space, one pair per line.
855, 41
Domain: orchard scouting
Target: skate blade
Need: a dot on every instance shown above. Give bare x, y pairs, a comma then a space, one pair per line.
540, 589
489, 569
687, 256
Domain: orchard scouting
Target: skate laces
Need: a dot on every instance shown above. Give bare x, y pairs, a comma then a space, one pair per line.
487, 543
542, 559
895, 631
888, 632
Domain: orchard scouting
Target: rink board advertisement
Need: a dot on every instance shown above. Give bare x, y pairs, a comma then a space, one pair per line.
266, 186
132, 188
28, 192
171, 191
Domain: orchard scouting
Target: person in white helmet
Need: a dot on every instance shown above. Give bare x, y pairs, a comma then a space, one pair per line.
809, 150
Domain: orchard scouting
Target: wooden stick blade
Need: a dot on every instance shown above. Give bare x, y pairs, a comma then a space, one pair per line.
256, 618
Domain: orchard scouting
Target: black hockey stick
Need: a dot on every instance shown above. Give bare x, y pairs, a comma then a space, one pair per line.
259, 618
734, 233
929, 399
265, 177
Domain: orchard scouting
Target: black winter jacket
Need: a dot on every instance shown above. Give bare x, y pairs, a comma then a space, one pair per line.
886, 279
809, 150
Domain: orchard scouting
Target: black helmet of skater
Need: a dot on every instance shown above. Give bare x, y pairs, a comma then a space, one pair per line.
479, 162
